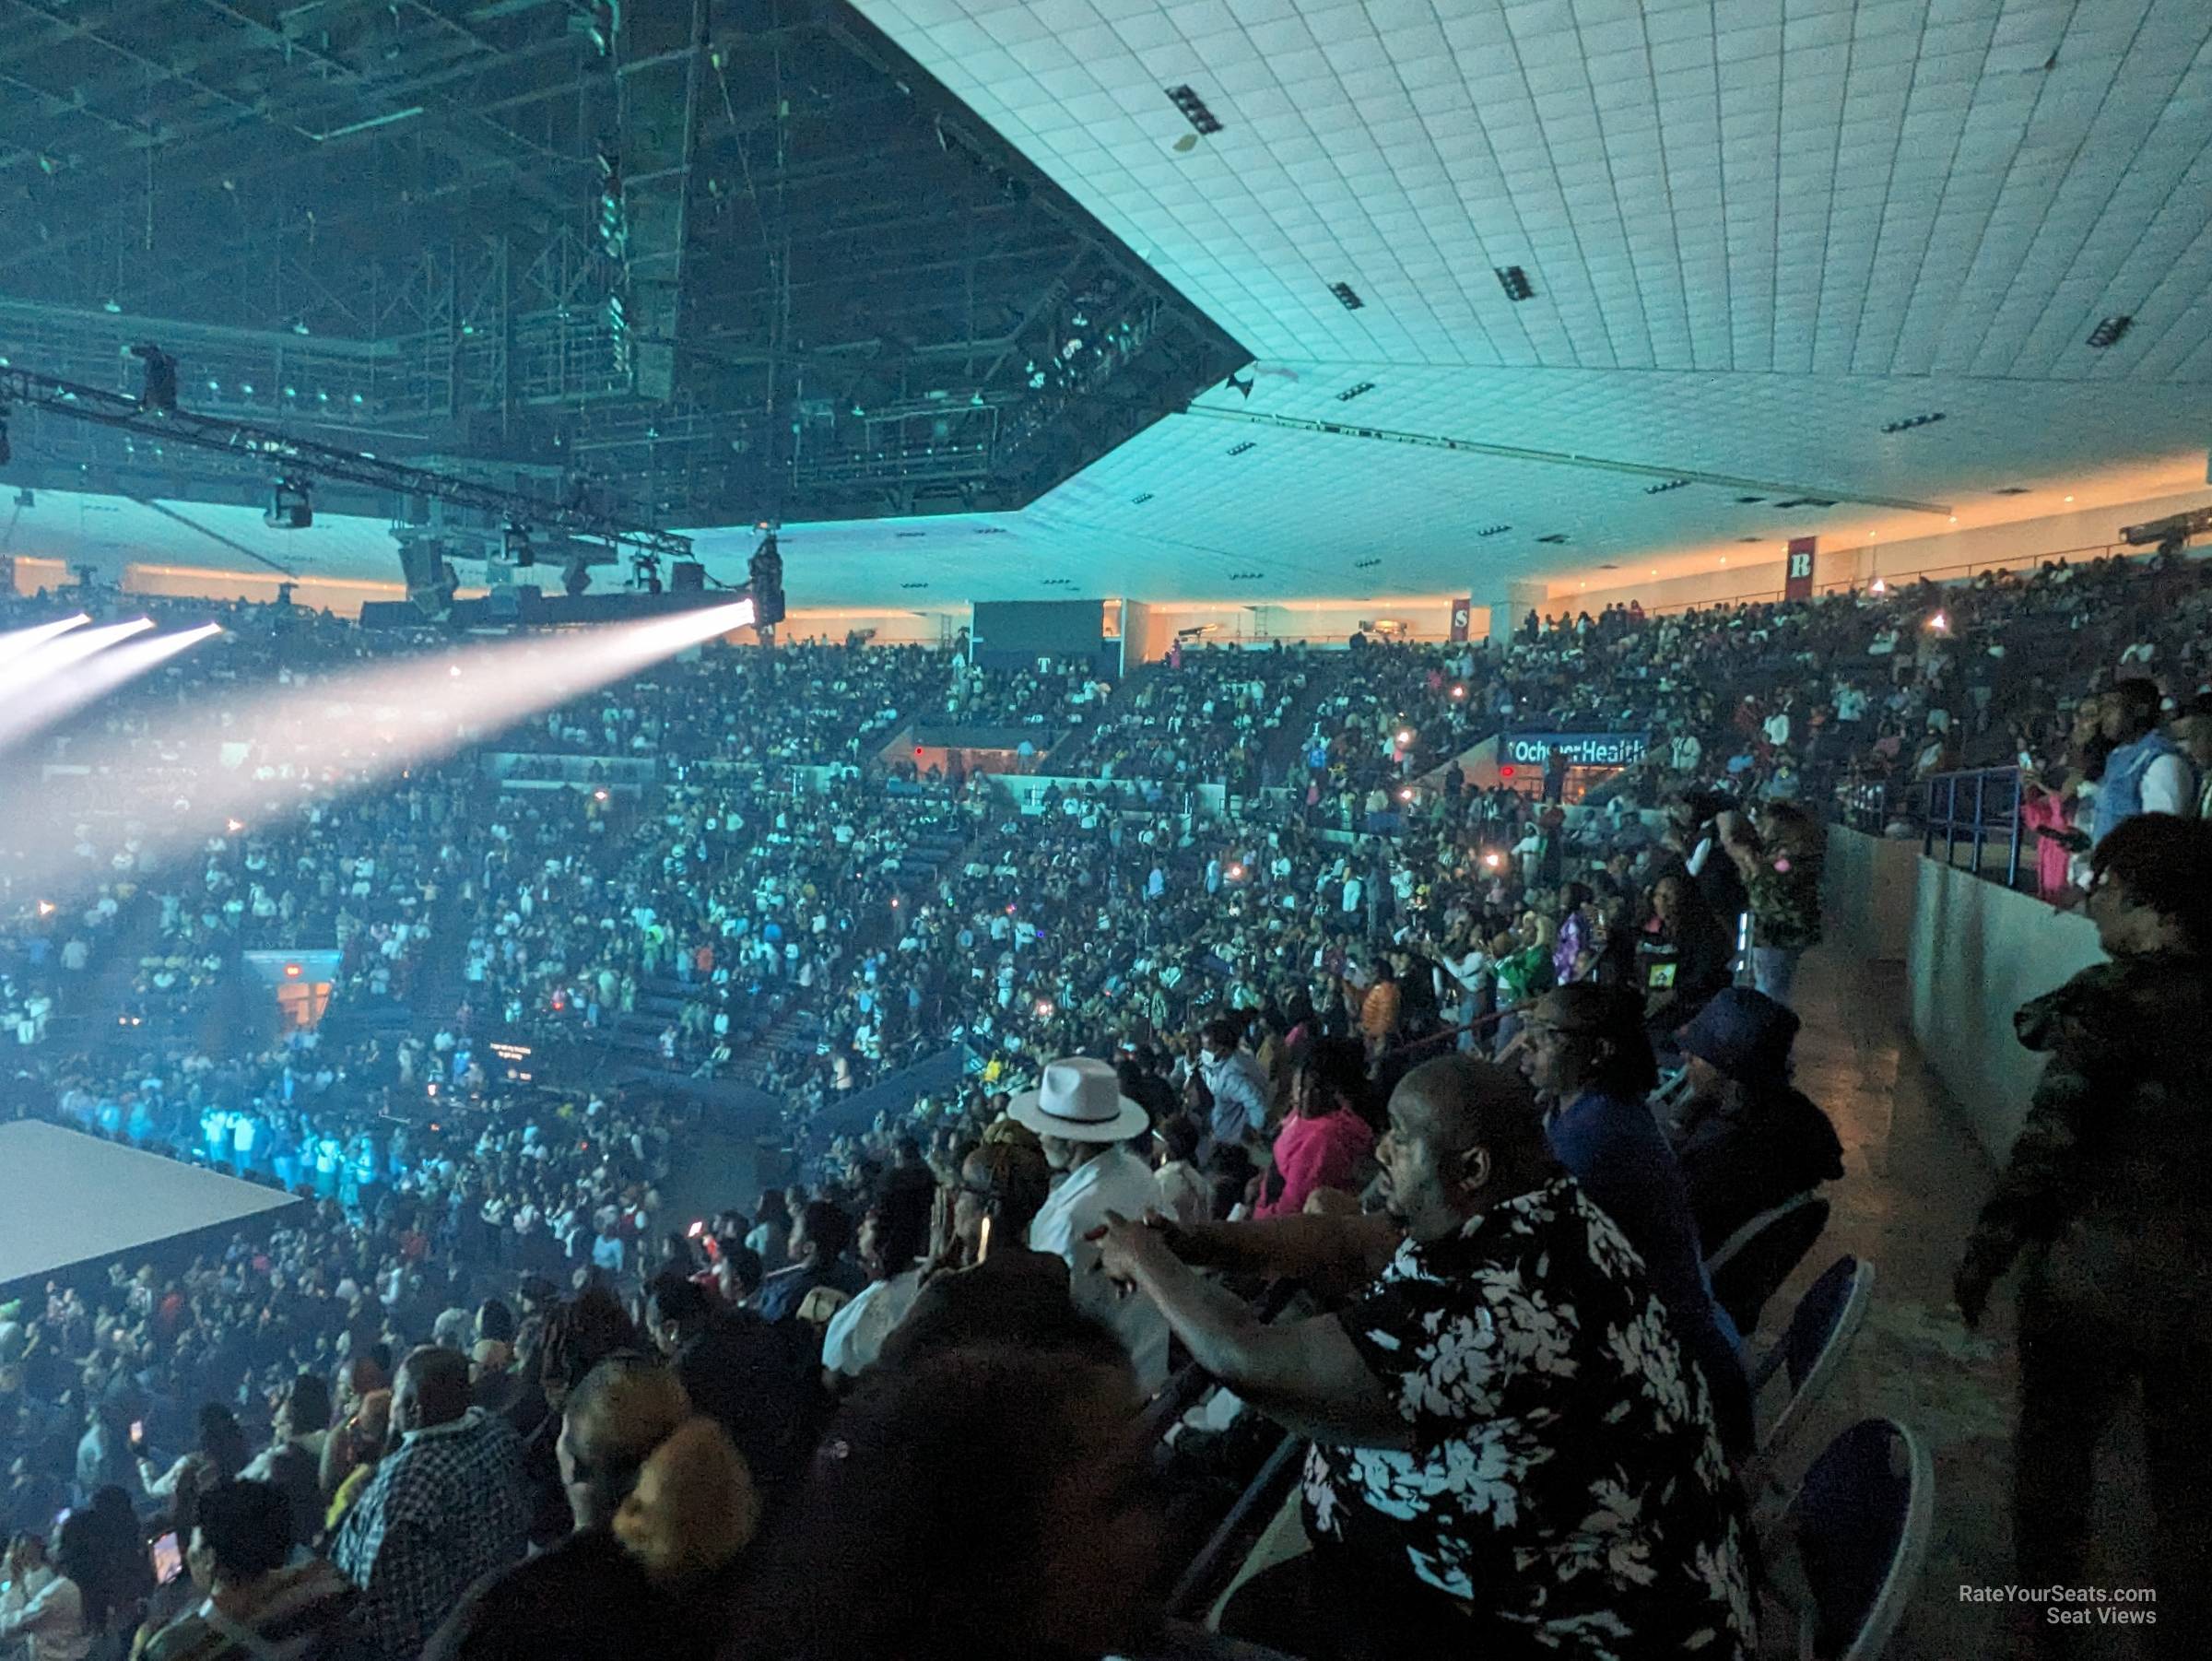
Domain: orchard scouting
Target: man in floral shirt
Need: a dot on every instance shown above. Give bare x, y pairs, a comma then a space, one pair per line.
1508, 1457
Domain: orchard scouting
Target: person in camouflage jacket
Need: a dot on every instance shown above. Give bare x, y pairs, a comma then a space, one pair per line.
2105, 1198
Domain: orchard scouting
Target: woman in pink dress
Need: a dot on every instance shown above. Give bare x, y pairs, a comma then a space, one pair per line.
2044, 804
1325, 1143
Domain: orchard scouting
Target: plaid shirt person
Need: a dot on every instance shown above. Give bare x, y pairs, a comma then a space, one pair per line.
443, 1510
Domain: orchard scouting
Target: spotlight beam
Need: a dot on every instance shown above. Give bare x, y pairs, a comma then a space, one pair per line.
54, 697
349, 730
20, 641
59, 653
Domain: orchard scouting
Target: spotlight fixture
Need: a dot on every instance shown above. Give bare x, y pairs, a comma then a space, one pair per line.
766, 575
1493, 530
1515, 283
1194, 110
1241, 449
1661, 489
1137, 500
2107, 333
158, 390
576, 577
290, 508
1349, 392
1909, 422
1347, 296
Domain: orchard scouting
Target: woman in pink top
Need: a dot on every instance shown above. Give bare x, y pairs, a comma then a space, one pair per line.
1324, 1142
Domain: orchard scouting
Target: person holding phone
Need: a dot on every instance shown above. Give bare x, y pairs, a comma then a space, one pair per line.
44, 1602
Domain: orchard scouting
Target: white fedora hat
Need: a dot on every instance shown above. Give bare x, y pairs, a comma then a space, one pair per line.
1080, 1101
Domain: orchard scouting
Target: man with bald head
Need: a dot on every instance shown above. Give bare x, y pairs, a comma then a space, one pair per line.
445, 1507
1508, 1456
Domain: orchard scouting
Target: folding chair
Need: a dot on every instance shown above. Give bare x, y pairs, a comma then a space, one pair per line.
1749, 1266
1853, 1539
1812, 1347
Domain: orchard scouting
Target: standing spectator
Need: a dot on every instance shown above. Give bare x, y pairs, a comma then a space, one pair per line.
818, 1254
1327, 1139
2193, 731
1780, 861
2104, 1197
661, 1509
293, 1460
894, 1235
1085, 1123
1234, 1081
771, 1234
2146, 771
444, 1509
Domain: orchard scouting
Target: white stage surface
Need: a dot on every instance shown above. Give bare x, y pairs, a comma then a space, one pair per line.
67, 1199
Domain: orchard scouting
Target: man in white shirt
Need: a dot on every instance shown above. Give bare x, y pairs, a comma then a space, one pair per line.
1086, 1123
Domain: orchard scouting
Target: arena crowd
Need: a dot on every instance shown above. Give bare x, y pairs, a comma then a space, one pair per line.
1261, 989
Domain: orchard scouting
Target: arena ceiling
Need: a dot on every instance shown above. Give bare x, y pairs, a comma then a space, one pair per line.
1759, 244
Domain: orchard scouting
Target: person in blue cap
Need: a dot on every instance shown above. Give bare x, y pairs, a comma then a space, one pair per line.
1747, 1139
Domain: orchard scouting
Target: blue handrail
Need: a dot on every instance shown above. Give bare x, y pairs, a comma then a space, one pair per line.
1969, 805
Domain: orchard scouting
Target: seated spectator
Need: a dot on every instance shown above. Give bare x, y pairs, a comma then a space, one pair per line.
443, 1509
1592, 1067
1745, 1139
1084, 1124
1466, 1496
989, 1504
894, 1237
663, 1508
818, 1254
257, 1602
1325, 1141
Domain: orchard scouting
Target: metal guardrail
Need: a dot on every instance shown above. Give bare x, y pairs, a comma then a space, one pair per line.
1974, 806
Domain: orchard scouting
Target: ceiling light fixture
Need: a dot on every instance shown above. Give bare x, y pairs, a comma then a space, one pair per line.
1672, 484
2108, 332
1344, 293
1909, 422
1194, 110
1349, 392
1515, 283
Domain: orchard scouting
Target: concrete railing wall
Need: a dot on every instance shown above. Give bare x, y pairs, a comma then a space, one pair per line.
1974, 952
1978, 952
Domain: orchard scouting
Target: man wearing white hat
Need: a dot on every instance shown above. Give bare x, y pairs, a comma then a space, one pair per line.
1085, 1121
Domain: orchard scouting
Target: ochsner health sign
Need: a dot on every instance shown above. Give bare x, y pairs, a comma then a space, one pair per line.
1577, 749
